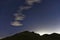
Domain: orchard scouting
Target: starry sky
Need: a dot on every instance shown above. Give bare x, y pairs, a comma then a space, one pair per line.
43, 17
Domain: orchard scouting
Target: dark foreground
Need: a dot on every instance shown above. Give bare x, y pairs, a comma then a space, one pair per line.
33, 36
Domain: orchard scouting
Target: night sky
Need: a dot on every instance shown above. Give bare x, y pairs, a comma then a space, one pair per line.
43, 17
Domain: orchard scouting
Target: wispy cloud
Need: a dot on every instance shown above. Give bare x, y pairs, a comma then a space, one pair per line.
31, 2
25, 7
16, 23
19, 15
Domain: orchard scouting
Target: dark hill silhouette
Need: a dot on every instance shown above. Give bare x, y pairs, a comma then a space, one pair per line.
26, 35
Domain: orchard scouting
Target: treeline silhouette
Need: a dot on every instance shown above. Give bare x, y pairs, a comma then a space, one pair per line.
26, 35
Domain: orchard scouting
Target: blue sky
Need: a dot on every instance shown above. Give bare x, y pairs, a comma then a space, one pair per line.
41, 18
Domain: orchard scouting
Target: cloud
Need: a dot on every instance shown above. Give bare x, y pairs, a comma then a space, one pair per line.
19, 16
16, 23
30, 2
25, 7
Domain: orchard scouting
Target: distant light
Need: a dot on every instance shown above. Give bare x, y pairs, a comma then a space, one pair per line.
42, 32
